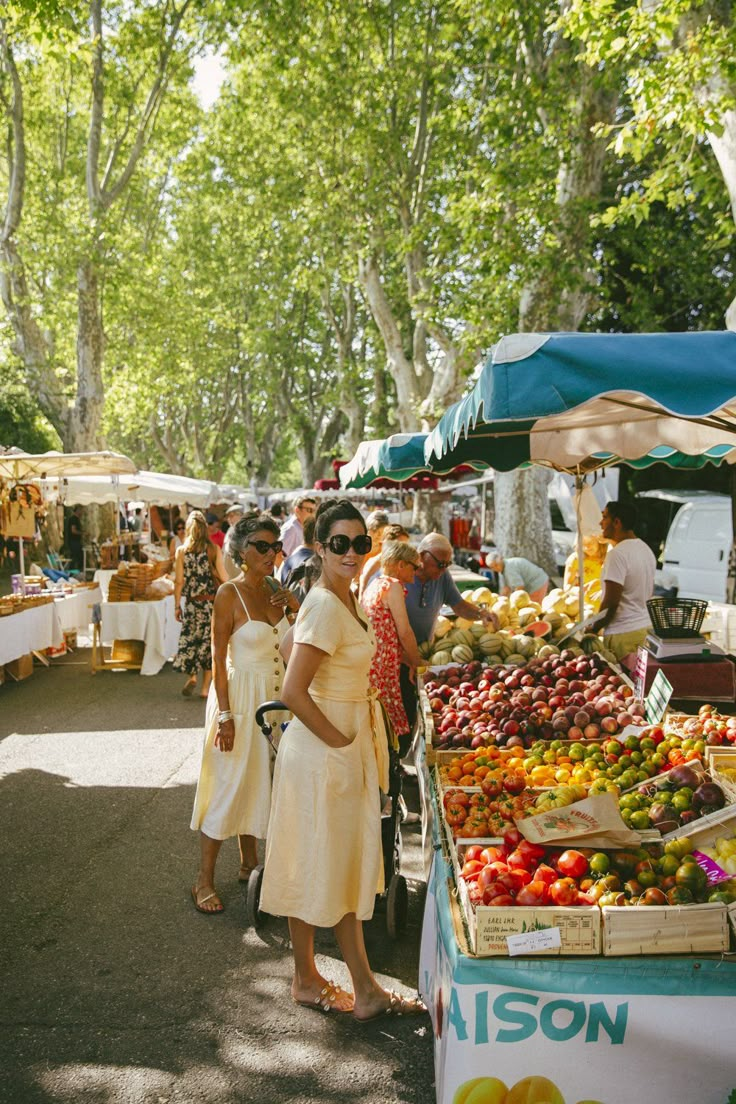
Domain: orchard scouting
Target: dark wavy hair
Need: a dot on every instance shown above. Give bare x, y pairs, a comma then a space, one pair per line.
332, 510
236, 538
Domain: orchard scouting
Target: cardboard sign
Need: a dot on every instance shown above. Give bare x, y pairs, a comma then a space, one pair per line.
657, 700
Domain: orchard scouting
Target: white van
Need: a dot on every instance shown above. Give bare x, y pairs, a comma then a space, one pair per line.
696, 550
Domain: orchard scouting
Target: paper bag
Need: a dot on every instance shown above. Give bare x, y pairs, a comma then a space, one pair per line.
21, 521
593, 822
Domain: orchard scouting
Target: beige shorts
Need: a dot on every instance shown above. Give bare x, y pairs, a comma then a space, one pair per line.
621, 644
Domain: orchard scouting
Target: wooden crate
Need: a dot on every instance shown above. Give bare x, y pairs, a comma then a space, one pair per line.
127, 651
488, 928
665, 929
716, 758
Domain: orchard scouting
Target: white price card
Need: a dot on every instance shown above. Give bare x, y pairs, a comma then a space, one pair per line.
531, 942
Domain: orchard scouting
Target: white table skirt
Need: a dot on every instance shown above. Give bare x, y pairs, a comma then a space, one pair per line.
31, 630
152, 622
75, 610
102, 577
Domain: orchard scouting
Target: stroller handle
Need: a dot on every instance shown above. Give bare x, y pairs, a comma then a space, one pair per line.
268, 707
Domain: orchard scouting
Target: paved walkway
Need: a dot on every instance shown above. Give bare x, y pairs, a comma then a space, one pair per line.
115, 991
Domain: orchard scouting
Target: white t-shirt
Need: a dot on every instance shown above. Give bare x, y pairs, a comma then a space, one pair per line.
631, 563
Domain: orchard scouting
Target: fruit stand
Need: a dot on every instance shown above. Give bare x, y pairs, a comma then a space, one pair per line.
606, 949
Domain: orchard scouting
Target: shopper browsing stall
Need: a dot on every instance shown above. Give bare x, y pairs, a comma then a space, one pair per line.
519, 574
628, 582
292, 532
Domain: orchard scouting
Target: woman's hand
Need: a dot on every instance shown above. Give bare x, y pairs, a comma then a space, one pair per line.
225, 736
288, 598
177, 613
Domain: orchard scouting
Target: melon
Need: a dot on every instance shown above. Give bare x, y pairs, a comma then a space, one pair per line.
441, 658
461, 653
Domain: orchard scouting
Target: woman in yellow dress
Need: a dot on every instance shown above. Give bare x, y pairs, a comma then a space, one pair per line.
324, 864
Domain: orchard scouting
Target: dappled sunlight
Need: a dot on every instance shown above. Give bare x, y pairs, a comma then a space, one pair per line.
125, 1084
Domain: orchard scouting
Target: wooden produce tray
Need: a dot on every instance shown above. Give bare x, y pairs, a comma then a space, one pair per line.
715, 759
489, 928
665, 929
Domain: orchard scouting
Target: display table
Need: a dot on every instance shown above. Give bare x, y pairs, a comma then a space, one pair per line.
75, 610
31, 630
102, 577
602, 1030
152, 622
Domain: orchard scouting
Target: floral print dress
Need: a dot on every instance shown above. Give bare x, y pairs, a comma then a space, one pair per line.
384, 673
195, 646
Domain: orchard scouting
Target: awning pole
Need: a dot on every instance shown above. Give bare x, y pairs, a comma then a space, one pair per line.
579, 483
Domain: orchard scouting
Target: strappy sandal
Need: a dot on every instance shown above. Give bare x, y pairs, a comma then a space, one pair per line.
198, 904
245, 873
189, 688
325, 1000
397, 1006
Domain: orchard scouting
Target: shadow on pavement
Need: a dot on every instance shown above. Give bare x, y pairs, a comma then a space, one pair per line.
118, 992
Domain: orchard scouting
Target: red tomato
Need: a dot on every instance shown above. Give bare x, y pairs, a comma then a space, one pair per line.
533, 894
563, 892
512, 837
455, 815
533, 850
545, 874
471, 870
502, 901
491, 785
492, 891
514, 783
572, 864
513, 880
473, 853
493, 854
517, 860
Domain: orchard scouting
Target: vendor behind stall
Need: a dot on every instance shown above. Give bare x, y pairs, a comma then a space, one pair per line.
628, 581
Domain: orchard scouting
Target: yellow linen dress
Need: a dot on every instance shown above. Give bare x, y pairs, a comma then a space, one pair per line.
323, 848
234, 790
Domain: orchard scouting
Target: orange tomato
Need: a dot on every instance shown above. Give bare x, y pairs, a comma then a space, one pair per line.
534, 1090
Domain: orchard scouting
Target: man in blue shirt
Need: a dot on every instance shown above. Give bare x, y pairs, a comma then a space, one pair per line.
432, 589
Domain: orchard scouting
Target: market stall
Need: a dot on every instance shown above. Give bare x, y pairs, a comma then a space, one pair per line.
32, 629
553, 943
152, 624
75, 608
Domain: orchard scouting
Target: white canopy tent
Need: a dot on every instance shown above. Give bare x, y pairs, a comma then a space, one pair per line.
142, 486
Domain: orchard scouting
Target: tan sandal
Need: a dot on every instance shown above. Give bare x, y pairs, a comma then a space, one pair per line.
207, 911
397, 1006
245, 873
325, 1000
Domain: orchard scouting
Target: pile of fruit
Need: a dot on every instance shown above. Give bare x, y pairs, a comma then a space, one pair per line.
483, 815
675, 798
568, 696
525, 629
709, 726
519, 873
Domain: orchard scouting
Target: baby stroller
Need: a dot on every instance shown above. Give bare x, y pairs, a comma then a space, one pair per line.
395, 898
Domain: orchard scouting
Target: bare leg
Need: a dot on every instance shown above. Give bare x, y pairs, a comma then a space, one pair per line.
308, 983
209, 849
248, 855
206, 680
371, 999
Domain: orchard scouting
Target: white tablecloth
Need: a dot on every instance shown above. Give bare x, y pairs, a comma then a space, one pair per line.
152, 622
102, 577
75, 610
32, 630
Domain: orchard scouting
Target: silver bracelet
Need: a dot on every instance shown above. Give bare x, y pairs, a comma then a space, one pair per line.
224, 715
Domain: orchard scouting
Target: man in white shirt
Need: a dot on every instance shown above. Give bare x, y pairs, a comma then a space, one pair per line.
292, 531
628, 581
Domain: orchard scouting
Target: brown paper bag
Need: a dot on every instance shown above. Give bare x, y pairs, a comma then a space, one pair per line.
593, 822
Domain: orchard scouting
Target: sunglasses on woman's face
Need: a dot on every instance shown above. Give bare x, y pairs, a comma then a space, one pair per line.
339, 544
263, 547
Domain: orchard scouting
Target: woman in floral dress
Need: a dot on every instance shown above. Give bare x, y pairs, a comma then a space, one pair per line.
385, 603
198, 571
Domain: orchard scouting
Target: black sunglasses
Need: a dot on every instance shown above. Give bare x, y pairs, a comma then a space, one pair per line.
339, 544
264, 547
442, 564
179, 527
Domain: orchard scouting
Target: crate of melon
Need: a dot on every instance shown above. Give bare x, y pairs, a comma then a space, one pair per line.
517, 898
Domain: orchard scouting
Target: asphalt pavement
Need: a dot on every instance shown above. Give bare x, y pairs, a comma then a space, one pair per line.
115, 990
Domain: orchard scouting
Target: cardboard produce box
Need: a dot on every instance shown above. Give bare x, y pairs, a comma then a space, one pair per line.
19, 669
128, 652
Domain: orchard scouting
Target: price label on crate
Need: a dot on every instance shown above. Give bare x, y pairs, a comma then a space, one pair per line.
657, 699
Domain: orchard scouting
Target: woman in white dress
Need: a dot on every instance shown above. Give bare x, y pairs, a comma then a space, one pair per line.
324, 863
248, 623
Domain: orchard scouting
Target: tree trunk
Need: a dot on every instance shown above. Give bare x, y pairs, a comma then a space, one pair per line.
85, 416
430, 513
522, 525
724, 148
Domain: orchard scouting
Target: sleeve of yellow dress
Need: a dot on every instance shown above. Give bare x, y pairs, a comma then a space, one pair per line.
318, 623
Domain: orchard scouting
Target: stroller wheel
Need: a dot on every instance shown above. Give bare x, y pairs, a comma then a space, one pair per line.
397, 906
253, 897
